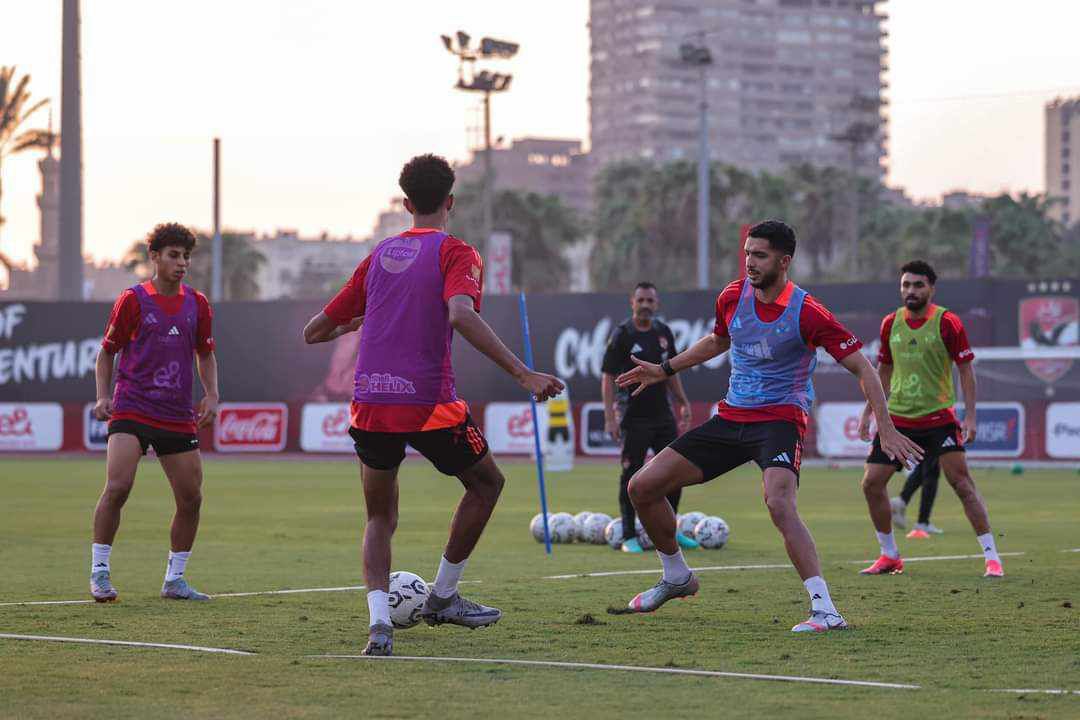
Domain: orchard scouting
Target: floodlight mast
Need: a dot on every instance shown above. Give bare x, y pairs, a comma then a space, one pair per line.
487, 83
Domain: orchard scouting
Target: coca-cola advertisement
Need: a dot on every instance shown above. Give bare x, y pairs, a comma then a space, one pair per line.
251, 427
31, 426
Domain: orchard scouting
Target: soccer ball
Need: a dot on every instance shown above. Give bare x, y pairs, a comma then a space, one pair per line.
579, 525
689, 521
712, 533
594, 529
613, 533
408, 592
643, 536
561, 527
536, 527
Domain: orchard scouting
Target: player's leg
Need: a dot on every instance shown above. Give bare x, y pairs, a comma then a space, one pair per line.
380, 455
876, 473
931, 477
463, 452
954, 464
663, 435
121, 461
899, 504
635, 443
184, 471
779, 487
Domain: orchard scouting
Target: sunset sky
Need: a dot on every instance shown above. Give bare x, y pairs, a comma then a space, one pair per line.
318, 103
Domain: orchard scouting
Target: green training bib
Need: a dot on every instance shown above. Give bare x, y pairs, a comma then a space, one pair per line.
922, 381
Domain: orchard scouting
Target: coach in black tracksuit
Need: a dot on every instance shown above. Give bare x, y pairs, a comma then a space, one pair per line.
645, 421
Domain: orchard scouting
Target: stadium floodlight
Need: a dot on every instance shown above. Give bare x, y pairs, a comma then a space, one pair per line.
699, 56
463, 39
492, 48
447, 42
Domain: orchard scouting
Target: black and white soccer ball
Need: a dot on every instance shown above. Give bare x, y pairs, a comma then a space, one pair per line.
613, 533
686, 523
408, 592
594, 529
561, 527
579, 525
712, 533
536, 526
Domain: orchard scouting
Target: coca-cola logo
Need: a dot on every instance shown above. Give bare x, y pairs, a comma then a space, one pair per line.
16, 423
253, 427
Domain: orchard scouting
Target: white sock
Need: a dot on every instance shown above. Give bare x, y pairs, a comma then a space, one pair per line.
99, 557
819, 594
888, 545
177, 562
446, 579
378, 605
989, 547
676, 571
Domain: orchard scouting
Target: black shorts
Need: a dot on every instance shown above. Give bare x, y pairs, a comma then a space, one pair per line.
164, 442
639, 436
934, 442
721, 445
451, 450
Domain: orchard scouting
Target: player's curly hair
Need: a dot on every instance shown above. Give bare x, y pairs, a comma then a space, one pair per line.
780, 235
427, 180
920, 267
170, 235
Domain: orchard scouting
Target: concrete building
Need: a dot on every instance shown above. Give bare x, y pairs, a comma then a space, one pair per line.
306, 267
1063, 158
392, 221
541, 165
787, 77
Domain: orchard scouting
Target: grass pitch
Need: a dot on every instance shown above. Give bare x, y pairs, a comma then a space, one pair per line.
297, 524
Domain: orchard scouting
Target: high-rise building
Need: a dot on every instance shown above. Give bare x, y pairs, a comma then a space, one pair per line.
1063, 158
546, 166
789, 80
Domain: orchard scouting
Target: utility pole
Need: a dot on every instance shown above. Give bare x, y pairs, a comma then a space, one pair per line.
70, 261
217, 272
857, 134
487, 83
700, 57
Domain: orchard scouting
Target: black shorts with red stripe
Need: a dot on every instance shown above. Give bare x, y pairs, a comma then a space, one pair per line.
451, 450
721, 445
934, 441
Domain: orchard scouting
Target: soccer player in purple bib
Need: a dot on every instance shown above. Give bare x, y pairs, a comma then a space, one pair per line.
410, 295
158, 327
772, 328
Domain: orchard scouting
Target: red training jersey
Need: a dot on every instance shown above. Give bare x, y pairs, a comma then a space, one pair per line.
124, 322
463, 274
818, 327
956, 342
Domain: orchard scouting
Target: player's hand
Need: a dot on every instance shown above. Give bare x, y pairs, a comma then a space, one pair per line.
644, 375
864, 425
541, 385
686, 417
899, 447
208, 407
103, 409
971, 429
611, 427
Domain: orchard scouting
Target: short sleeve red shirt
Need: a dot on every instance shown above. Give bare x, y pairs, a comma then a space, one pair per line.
956, 342
819, 328
124, 322
463, 274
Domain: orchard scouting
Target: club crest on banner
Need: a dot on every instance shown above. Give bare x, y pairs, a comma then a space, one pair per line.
1049, 321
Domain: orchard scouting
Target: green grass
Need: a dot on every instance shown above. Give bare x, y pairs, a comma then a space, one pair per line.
296, 524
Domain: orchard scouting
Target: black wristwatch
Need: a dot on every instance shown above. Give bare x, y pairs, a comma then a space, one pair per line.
666, 367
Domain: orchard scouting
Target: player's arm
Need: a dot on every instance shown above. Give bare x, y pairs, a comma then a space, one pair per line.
468, 323
103, 373
967, 388
895, 445
647, 373
884, 371
322, 328
681, 401
607, 392
208, 376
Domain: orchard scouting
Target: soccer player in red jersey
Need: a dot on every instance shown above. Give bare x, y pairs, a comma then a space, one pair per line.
920, 343
772, 328
410, 295
159, 328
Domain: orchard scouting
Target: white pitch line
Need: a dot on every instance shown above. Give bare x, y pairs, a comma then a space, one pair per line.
634, 668
49, 602
652, 571
1044, 692
1072, 550
92, 641
289, 592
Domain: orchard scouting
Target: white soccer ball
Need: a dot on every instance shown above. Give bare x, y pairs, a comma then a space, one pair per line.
536, 526
594, 529
643, 536
712, 533
408, 592
561, 527
579, 525
687, 522
613, 533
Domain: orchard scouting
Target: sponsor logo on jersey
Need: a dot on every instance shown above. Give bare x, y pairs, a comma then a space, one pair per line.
384, 383
636, 349
173, 330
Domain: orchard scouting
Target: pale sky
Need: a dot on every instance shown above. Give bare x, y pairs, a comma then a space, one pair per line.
318, 103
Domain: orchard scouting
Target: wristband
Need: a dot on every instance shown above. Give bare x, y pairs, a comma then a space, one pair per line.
666, 367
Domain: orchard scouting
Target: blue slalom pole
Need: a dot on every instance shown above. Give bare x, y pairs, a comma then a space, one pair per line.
536, 425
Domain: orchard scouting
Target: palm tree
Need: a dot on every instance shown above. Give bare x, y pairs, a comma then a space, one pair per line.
15, 108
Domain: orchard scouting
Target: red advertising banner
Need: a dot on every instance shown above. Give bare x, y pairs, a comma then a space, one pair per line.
251, 427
